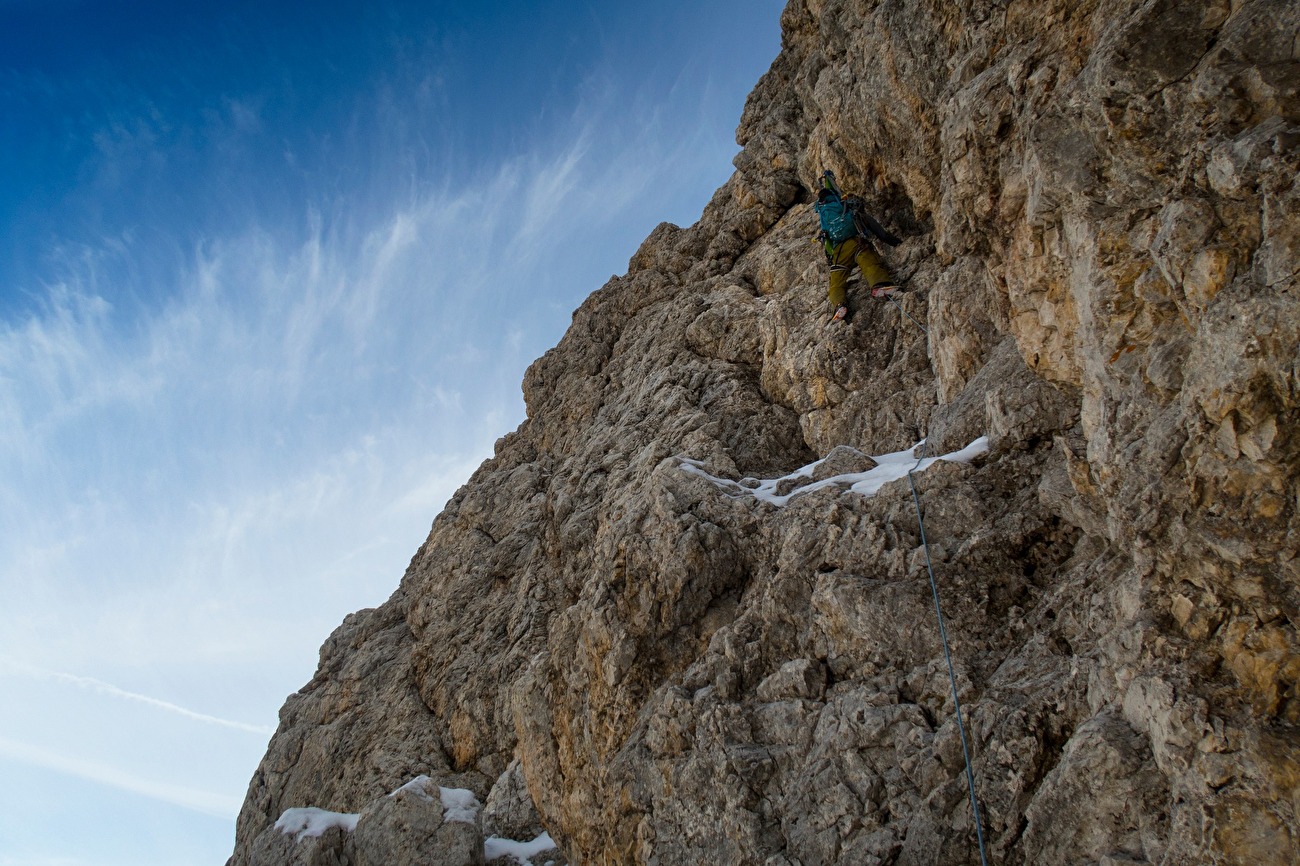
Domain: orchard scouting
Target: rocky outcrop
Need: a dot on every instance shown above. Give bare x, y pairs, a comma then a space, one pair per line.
1101, 242
419, 823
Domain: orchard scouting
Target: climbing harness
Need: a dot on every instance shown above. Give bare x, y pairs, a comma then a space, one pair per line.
943, 632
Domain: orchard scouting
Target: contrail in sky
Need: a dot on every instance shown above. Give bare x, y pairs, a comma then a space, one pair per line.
112, 690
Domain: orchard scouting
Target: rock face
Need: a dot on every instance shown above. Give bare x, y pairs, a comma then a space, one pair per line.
1101, 232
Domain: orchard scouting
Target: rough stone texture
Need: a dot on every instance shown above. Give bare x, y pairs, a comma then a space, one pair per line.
273, 848
509, 811
1102, 237
406, 828
356, 732
410, 827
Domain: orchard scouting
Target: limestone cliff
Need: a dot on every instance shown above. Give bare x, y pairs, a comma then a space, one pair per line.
1101, 232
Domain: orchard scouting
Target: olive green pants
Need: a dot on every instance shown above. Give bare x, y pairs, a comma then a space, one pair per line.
843, 258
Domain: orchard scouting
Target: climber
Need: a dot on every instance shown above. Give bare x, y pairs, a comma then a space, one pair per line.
846, 233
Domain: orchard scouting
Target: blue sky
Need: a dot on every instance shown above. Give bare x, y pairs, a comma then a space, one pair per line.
269, 281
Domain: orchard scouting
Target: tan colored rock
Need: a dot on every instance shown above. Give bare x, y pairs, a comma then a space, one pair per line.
1098, 209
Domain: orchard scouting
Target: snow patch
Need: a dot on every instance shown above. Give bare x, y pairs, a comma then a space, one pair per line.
310, 821
459, 804
522, 852
889, 467
419, 786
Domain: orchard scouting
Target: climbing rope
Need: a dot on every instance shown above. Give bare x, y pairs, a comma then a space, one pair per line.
947, 654
943, 632
895, 302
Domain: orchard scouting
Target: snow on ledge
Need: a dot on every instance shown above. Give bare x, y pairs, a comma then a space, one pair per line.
458, 804
419, 786
890, 467
522, 852
310, 821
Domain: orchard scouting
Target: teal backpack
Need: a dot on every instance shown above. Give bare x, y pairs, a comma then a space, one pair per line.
836, 218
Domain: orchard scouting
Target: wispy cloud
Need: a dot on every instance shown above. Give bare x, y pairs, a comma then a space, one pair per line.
52, 369
272, 339
187, 797
205, 477
9, 666
292, 393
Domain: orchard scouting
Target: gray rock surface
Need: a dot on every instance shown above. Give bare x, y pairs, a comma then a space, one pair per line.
415, 825
273, 848
1099, 209
412, 827
509, 811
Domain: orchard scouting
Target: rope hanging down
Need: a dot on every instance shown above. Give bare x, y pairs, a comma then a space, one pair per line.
952, 677
895, 302
943, 633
